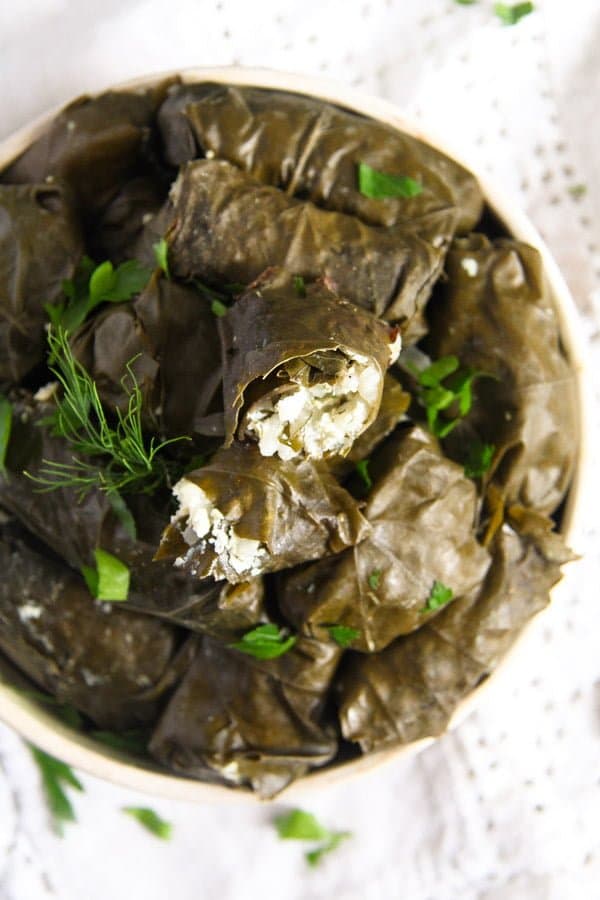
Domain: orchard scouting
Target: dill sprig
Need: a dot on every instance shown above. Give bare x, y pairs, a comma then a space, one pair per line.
115, 459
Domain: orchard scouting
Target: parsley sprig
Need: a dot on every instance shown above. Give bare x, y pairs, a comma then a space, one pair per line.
265, 642
56, 776
381, 185
343, 635
443, 388
151, 821
93, 285
109, 580
299, 825
113, 458
439, 596
5, 429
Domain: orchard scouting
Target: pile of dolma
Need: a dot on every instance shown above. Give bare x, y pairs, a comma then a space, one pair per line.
395, 538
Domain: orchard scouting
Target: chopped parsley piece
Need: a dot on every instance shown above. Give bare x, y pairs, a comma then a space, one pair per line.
218, 308
151, 821
466, 2
109, 580
374, 579
442, 385
379, 185
299, 285
343, 634
299, 825
161, 255
440, 595
314, 857
362, 468
93, 285
123, 513
511, 14
5, 428
265, 642
56, 775
479, 459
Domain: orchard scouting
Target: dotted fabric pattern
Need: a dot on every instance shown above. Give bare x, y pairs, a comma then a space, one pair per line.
507, 807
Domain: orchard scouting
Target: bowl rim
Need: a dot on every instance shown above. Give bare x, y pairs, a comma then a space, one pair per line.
38, 726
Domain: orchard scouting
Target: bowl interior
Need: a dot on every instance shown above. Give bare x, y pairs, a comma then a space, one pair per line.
38, 725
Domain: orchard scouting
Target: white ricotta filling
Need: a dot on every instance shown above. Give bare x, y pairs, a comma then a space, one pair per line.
204, 522
317, 420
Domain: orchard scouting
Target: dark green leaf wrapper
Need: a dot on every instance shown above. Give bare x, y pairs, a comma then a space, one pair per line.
273, 324
296, 510
225, 227
410, 690
40, 246
501, 321
249, 722
172, 332
95, 145
312, 149
421, 510
108, 663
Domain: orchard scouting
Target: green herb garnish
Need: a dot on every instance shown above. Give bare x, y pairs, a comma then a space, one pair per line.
577, 191
5, 428
161, 255
314, 857
93, 285
479, 459
218, 308
299, 825
466, 2
343, 635
374, 579
109, 580
134, 740
56, 775
362, 468
440, 595
379, 185
265, 642
123, 514
510, 15
151, 821
124, 460
299, 285
444, 385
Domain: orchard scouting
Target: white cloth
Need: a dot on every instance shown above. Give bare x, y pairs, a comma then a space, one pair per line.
506, 807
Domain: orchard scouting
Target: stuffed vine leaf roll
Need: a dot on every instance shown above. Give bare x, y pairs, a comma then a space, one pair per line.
95, 145
224, 227
304, 370
494, 313
410, 689
250, 722
169, 335
111, 664
244, 514
422, 512
312, 149
40, 246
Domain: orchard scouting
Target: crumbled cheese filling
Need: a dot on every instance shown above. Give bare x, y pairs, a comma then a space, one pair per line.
320, 419
204, 522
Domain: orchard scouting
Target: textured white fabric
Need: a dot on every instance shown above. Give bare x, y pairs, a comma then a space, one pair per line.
507, 807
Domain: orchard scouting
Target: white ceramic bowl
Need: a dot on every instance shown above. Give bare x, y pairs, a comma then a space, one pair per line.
37, 725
